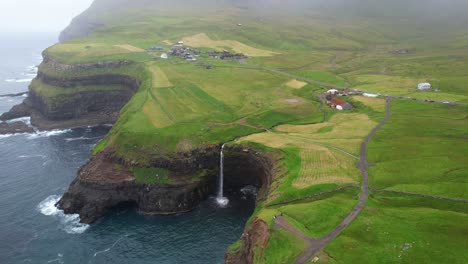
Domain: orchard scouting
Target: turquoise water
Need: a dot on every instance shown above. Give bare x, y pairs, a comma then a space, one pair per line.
36, 169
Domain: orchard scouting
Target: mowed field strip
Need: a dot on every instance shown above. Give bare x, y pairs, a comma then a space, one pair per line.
160, 79
129, 47
344, 131
202, 40
321, 164
296, 84
377, 104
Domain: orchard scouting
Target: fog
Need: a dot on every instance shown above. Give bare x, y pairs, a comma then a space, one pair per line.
55, 15
27, 16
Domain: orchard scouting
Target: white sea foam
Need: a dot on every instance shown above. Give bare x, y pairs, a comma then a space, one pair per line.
42, 134
12, 135
31, 156
26, 120
29, 74
108, 249
59, 259
81, 138
18, 80
6, 136
69, 223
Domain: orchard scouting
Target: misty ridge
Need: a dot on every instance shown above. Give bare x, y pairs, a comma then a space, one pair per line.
438, 15
402, 7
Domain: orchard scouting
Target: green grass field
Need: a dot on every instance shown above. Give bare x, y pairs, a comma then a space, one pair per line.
430, 153
182, 105
399, 229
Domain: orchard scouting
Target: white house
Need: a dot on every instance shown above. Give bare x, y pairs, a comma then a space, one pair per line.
424, 86
370, 95
332, 91
164, 56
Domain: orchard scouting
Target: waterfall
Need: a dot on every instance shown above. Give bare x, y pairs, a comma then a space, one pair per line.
220, 199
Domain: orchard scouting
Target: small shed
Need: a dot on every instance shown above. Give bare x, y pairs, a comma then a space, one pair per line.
424, 86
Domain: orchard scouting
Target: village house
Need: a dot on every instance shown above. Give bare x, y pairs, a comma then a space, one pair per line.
155, 48
344, 92
226, 55
340, 104
332, 91
424, 86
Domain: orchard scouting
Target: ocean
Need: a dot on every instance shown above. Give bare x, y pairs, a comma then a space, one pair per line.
36, 169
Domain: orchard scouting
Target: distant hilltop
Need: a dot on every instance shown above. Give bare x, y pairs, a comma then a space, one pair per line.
423, 10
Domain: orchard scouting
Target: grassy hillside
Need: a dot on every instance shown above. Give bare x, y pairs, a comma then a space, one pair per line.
270, 101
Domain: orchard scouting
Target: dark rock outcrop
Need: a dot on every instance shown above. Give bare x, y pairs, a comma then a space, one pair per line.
15, 128
107, 182
81, 108
255, 237
104, 183
18, 111
245, 166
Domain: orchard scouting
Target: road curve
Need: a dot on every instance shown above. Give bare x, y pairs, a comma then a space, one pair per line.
318, 244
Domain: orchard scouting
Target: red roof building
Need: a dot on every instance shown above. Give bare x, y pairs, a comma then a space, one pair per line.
340, 104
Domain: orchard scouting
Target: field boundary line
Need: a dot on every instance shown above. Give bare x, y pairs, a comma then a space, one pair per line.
317, 195
421, 195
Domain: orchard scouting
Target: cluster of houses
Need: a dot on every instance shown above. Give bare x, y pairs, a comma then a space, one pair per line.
334, 102
185, 53
180, 51
401, 51
226, 55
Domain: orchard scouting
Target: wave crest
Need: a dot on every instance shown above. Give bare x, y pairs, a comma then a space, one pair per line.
69, 223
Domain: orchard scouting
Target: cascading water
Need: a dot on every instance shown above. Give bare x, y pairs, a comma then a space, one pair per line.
220, 199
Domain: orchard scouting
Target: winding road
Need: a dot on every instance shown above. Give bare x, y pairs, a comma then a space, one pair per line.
317, 244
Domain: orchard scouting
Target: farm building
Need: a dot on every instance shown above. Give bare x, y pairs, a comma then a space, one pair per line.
340, 104
424, 86
332, 91
155, 48
370, 95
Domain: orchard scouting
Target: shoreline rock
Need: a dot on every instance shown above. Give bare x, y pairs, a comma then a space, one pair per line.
106, 182
15, 128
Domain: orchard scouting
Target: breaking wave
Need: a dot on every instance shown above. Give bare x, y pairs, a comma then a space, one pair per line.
18, 80
26, 120
50, 133
69, 223
81, 138
39, 134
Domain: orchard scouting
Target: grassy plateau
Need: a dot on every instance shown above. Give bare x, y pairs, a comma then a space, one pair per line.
271, 101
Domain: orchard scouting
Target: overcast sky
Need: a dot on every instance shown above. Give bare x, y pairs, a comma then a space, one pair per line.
39, 15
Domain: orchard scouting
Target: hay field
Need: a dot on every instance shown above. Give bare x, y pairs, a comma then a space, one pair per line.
377, 104
160, 79
130, 48
202, 40
321, 165
296, 84
344, 131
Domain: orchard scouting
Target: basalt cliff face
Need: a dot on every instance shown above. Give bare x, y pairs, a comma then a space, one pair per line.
76, 108
107, 182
